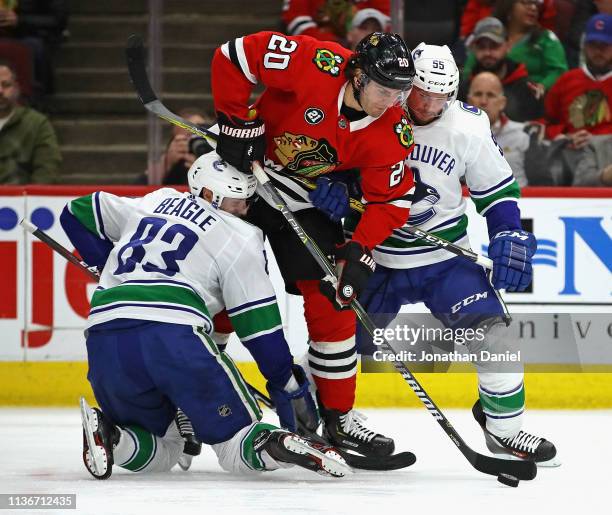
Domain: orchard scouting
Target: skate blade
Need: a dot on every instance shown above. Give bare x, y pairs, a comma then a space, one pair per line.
185, 461
96, 456
551, 463
331, 462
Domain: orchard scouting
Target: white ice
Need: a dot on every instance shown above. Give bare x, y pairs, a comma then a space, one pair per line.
40, 452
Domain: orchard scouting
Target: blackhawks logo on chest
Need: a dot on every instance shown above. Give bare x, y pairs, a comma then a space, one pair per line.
404, 132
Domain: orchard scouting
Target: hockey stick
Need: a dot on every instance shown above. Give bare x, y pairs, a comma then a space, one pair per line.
482, 463
59, 248
138, 76
135, 56
486, 464
380, 463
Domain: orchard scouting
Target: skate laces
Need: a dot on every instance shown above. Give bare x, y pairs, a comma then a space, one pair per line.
351, 424
524, 442
183, 423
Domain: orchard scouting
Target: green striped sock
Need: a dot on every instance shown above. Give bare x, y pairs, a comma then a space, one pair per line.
504, 404
248, 454
146, 448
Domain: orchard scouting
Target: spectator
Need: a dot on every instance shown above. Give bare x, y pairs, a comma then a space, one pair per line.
575, 40
578, 107
182, 150
490, 47
327, 20
29, 152
40, 25
476, 10
365, 22
486, 91
539, 49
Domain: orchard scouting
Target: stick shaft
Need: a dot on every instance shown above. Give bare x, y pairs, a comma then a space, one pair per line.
58, 247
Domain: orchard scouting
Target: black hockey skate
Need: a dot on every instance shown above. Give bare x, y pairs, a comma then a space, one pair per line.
288, 447
523, 446
345, 430
192, 447
100, 437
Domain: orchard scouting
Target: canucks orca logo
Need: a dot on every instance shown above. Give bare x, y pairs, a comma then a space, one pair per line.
425, 194
404, 133
327, 62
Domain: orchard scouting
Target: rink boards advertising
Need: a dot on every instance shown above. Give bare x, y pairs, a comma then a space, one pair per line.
45, 300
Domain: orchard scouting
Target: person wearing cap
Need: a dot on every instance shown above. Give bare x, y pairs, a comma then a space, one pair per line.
490, 48
529, 43
578, 107
365, 22
333, 20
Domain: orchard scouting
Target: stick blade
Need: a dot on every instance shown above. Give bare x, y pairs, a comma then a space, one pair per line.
525, 470
135, 57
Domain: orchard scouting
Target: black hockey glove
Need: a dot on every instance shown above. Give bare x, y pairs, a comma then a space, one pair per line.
241, 142
354, 265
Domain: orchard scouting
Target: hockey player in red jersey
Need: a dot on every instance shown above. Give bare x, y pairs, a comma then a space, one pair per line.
326, 111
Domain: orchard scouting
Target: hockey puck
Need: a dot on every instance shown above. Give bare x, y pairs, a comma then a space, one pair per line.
508, 480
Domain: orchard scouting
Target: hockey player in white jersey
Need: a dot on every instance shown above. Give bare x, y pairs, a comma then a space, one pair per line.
453, 140
170, 261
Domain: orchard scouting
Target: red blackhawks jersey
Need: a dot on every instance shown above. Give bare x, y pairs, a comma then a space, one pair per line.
306, 133
579, 101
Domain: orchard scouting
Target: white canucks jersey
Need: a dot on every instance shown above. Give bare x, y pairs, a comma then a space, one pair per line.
178, 260
458, 145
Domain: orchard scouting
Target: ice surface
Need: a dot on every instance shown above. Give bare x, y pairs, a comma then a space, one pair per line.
40, 452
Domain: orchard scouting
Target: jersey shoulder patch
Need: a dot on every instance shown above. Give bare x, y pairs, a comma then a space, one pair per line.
328, 61
470, 108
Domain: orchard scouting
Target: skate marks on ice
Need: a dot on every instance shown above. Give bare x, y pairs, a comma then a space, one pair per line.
40, 450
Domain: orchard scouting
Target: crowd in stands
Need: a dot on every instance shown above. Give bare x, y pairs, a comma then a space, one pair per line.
30, 34
541, 69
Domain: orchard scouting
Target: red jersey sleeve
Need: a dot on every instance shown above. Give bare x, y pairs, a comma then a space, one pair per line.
388, 192
274, 59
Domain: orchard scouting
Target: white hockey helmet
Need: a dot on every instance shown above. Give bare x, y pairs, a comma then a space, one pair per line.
436, 71
211, 172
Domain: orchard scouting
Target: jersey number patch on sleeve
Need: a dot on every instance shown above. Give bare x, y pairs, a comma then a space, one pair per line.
147, 231
275, 60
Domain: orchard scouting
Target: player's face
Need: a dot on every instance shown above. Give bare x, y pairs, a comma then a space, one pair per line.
235, 206
375, 99
488, 53
598, 56
425, 106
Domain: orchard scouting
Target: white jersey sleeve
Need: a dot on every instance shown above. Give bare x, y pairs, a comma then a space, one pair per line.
104, 214
248, 293
487, 173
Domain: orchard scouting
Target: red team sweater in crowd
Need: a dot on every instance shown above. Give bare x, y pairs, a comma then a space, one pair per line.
579, 101
303, 17
476, 10
305, 131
